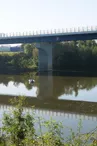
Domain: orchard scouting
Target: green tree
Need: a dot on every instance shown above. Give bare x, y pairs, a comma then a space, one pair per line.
28, 48
17, 125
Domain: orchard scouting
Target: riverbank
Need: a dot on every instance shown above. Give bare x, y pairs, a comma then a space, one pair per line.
73, 73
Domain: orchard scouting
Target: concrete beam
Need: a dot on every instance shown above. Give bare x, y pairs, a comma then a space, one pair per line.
45, 56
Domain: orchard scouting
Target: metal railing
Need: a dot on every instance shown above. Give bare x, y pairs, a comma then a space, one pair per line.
48, 32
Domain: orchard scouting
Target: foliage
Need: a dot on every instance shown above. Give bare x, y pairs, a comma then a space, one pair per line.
54, 134
18, 126
28, 48
75, 55
17, 62
19, 129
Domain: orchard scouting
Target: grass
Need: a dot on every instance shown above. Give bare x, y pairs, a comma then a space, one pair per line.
9, 53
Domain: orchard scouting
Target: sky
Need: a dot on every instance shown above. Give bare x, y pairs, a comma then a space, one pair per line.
33, 15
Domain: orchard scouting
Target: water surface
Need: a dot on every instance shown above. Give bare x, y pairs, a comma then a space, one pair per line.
65, 98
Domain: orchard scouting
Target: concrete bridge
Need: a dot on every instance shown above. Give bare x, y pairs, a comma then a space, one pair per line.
44, 41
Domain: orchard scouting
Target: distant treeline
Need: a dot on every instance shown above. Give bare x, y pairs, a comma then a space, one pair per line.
75, 55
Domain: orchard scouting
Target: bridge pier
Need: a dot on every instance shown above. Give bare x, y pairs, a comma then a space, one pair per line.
45, 56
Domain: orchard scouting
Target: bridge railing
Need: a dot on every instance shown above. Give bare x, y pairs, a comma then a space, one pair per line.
48, 32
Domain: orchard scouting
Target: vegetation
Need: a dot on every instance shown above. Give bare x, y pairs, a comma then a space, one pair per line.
18, 62
18, 129
75, 55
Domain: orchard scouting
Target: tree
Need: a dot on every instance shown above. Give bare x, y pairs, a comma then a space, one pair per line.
28, 48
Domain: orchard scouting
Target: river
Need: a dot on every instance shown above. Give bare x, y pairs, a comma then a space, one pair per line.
67, 99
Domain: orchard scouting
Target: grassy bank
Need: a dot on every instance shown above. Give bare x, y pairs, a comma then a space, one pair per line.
18, 129
9, 53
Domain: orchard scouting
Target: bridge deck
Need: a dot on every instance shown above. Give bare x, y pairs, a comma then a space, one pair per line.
48, 37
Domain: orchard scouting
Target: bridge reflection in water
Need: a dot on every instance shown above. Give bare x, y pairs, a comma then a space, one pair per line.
52, 113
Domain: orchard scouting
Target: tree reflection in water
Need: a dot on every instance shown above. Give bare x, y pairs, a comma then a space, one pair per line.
60, 84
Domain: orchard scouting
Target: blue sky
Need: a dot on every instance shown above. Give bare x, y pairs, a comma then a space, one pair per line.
29, 15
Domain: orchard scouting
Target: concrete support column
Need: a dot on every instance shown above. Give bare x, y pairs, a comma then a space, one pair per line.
45, 56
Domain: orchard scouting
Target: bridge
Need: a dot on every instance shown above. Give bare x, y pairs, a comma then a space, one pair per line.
45, 39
